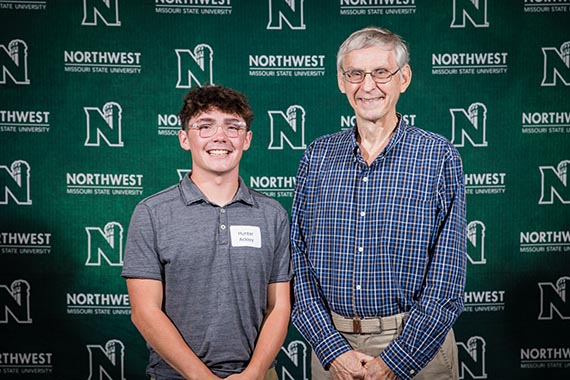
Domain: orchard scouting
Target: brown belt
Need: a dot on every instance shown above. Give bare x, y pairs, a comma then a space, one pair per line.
368, 325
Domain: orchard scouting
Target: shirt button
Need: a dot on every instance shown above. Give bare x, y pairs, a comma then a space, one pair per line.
412, 372
362, 213
222, 210
223, 227
360, 249
365, 179
358, 287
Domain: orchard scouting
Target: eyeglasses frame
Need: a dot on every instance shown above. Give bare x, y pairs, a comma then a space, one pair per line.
242, 127
381, 81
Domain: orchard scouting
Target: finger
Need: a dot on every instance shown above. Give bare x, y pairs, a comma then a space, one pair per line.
365, 358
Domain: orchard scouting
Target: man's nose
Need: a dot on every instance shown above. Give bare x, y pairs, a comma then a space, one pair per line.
368, 83
220, 134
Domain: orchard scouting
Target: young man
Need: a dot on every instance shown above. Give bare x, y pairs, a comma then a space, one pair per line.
207, 260
378, 231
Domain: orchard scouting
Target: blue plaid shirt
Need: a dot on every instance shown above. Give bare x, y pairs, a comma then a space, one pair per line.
380, 240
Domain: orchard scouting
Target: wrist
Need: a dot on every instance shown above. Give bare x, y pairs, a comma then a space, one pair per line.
254, 373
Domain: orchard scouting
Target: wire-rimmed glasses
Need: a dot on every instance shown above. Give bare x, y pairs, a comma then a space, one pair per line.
208, 128
380, 76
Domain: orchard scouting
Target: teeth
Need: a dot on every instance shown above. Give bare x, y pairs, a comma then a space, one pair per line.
218, 152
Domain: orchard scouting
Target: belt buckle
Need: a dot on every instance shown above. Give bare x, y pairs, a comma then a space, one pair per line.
356, 325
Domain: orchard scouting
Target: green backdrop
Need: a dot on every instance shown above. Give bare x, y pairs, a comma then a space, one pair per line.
89, 92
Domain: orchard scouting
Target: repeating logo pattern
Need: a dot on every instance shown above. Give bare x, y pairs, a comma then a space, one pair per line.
472, 358
15, 302
105, 245
195, 66
88, 124
556, 65
287, 128
554, 184
105, 11
14, 62
15, 183
107, 362
553, 302
469, 12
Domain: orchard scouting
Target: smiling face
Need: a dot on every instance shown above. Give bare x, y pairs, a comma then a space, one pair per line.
218, 155
373, 102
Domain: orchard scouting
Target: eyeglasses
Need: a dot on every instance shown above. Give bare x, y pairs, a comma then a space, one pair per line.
209, 129
380, 76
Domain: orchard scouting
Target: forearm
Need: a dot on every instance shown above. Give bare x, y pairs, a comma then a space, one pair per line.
161, 334
424, 331
159, 331
271, 338
432, 314
311, 318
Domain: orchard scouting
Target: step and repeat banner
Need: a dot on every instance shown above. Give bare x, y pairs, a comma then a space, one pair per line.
89, 92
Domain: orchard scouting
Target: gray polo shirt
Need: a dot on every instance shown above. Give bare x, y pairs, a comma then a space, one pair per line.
215, 264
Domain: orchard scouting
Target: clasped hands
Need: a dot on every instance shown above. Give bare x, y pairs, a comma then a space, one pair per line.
354, 365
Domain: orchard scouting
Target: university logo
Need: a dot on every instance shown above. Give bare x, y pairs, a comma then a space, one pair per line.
349, 121
485, 183
545, 241
556, 65
15, 302
105, 244
195, 66
107, 363
168, 124
106, 10
472, 358
554, 184
544, 357
14, 62
476, 238
287, 127
473, 10
293, 361
25, 243
553, 299
273, 186
484, 301
105, 124
182, 173
288, 11
470, 125
546, 122
15, 182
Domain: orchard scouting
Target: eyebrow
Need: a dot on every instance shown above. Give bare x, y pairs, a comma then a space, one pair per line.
352, 68
226, 120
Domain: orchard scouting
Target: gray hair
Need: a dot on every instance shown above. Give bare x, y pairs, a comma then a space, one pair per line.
373, 36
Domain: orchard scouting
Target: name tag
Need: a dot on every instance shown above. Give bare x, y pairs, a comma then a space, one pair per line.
246, 236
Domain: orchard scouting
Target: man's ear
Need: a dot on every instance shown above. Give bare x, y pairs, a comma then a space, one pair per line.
183, 139
247, 140
405, 78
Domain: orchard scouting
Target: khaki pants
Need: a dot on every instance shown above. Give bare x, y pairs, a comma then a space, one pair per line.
271, 374
444, 366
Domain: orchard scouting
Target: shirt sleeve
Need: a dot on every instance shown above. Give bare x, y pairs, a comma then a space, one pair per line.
281, 271
441, 299
141, 257
310, 314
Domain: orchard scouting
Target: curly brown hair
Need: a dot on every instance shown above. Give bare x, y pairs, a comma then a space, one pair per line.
203, 99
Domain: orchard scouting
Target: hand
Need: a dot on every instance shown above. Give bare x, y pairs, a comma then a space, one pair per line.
349, 366
245, 375
377, 369
236, 376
